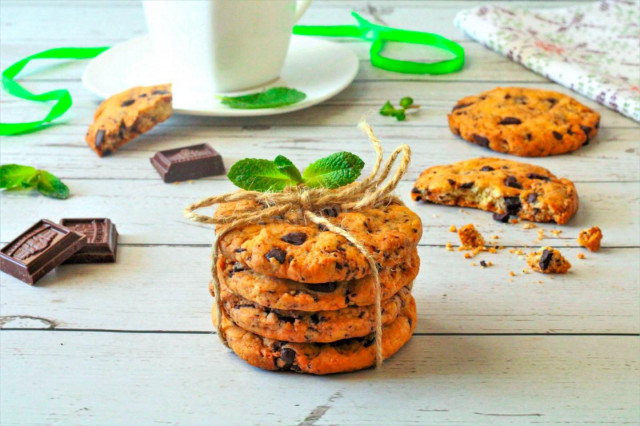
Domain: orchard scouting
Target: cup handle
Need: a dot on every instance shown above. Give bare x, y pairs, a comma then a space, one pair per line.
301, 8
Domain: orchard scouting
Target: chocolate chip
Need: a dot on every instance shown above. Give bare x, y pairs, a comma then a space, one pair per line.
160, 92
507, 96
512, 205
586, 130
532, 198
481, 140
451, 182
323, 288
286, 358
330, 211
315, 318
501, 217
537, 176
144, 95
127, 102
286, 319
99, 138
369, 340
552, 101
459, 106
121, 130
483, 263
528, 136
510, 120
240, 250
276, 253
295, 238
557, 135
598, 124
569, 131
545, 259
415, 190
512, 182
237, 267
467, 185
487, 169
522, 100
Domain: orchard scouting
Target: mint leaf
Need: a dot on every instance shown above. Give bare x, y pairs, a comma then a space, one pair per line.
333, 171
51, 186
270, 98
387, 109
286, 166
259, 175
406, 102
16, 176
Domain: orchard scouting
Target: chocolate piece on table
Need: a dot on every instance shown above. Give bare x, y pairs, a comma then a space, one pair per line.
102, 240
38, 250
189, 162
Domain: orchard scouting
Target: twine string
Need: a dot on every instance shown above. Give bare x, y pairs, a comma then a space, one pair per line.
372, 191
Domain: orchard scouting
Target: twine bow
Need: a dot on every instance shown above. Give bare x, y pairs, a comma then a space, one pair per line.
368, 193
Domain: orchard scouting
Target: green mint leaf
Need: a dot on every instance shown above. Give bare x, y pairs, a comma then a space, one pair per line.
270, 98
286, 166
16, 176
333, 171
406, 102
259, 175
387, 110
400, 115
51, 186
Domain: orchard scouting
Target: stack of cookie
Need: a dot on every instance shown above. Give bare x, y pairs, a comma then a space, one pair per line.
298, 297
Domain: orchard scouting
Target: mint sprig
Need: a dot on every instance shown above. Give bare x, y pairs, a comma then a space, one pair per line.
388, 110
271, 98
16, 176
330, 172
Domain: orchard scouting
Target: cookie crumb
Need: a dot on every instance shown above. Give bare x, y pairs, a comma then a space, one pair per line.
474, 264
485, 264
590, 238
470, 238
512, 274
556, 232
541, 234
548, 261
529, 225
495, 237
580, 256
449, 247
468, 256
453, 228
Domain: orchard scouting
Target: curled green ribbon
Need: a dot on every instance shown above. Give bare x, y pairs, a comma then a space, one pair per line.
380, 35
61, 96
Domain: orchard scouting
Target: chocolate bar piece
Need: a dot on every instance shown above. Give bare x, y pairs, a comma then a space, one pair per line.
102, 240
38, 250
189, 162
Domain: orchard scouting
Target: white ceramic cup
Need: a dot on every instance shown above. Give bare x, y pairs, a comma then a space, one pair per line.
221, 45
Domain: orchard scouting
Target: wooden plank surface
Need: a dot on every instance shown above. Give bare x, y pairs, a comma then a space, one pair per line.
132, 343
120, 378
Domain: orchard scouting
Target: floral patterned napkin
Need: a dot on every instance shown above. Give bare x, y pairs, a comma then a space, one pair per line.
593, 49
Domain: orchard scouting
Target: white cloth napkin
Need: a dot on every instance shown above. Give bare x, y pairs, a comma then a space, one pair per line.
593, 49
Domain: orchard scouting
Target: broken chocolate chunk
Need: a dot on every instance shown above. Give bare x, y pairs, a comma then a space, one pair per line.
483, 263
277, 254
295, 238
545, 259
487, 169
189, 162
510, 120
467, 185
481, 140
537, 176
102, 240
285, 360
557, 135
512, 204
451, 182
501, 217
512, 182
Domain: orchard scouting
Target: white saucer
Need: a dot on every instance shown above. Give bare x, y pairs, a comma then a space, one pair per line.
319, 68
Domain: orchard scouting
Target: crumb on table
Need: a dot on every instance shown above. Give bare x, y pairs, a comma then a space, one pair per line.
590, 238
580, 256
470, 238
548, 261
453, 228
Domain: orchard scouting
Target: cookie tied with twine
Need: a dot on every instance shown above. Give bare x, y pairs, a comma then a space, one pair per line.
372, 192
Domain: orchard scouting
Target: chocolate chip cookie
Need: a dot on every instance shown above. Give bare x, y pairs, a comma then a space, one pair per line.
310, 253
524, 122
504, 187
318, 358
307, 327
278, 293
126, 115
548, 261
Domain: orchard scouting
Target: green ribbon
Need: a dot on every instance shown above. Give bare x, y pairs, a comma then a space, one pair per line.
62, 97
380, 35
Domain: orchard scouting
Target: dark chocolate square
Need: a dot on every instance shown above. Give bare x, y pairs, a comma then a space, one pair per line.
38, 250
189, 162
102, 240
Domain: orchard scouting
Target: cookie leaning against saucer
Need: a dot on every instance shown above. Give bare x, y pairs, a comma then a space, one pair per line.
278, 293
319, 358
312, 254
307, 327
126, 115
524, 122
504, 187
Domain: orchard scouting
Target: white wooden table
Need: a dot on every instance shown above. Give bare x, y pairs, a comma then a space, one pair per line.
132, 343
